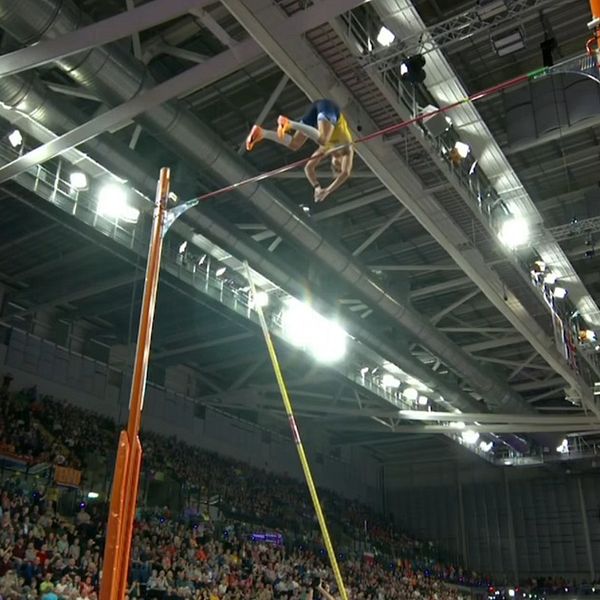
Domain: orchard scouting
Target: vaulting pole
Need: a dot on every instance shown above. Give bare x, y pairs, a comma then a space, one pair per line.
129, 455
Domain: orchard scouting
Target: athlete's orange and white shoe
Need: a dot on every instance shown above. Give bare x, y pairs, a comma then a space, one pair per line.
256, 135
283, 127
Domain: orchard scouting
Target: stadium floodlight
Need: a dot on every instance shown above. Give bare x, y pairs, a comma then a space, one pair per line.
385, 37
560, 293
486, 446
462, 149
469, 436
306, 329
411, 393
508, 42
15, 138
78, 180
261, 299
112, 203
390, 382
514, 232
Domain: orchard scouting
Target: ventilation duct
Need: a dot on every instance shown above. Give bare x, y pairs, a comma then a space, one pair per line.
115, 76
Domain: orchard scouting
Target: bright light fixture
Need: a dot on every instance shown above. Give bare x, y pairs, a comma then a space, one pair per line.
78, 180
93, 495
390, 382
261, 299
403, 69
560, 293
411, 393
564, 447
423, 400
508, 42
511, 593
550, 278
305, 328
182, 247
112, 203
462, 149
469, 436
364, 371
458, 425
385, 37
588, 335
220, 271
514, 232
15, 138
392, 368
486, 446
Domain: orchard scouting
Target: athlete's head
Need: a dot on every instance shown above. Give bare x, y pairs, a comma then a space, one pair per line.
337, 161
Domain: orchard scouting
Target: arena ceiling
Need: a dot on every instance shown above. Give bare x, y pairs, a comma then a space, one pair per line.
436, 293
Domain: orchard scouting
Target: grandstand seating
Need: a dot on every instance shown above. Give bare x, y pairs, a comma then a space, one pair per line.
47, 549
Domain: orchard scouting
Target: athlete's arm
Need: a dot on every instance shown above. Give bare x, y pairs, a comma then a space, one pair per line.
310, 170
344, 174
326, 594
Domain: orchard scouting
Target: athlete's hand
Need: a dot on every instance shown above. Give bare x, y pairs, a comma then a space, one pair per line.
320, 194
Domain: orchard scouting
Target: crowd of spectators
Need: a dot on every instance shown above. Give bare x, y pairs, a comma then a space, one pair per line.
46, 555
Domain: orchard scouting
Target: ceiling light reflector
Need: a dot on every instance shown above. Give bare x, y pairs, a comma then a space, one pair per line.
514, 232
385, 37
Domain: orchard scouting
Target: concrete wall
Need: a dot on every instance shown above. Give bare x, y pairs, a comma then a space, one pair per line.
96, 386
524, 522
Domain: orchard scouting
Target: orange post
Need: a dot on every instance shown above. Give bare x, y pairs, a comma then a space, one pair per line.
595, 26
129, 456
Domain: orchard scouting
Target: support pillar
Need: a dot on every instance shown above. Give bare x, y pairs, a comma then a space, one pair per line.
586, 530
510, 524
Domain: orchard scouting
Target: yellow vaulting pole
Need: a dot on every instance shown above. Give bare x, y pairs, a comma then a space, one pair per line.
298, 441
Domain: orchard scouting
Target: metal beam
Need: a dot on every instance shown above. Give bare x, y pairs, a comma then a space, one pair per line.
199, 76
109, 30
440, 315
439, 287
482, 330
71, 90
348, 206
379, 231
183, 54
497, 343
68, 297
268, 106
25, 237
207, 20
135, 38
539, 385
202, 345
513, 363
498, 418
416, 268
522, 365
202, 74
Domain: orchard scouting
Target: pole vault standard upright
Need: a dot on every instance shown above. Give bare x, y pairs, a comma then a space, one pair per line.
129, 456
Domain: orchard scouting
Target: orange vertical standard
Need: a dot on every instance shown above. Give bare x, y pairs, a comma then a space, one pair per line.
595, 7
129, 457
